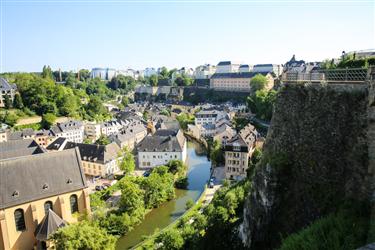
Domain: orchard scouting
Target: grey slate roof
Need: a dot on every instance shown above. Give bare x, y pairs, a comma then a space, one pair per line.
17, 135
163, 141
17, 148
28, 178
245, 138
50, 224
5, 85
57, 144
224, 63
95, 153
237, 75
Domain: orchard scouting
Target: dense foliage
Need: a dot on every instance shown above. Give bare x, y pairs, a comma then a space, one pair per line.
348, 61
261, 103
347, 229
79, 98
126, 161
258, 82
184, 119
83, 235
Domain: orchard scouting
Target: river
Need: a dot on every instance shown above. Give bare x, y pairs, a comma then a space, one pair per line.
198, 175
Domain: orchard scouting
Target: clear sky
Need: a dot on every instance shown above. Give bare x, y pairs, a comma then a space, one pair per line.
70, 34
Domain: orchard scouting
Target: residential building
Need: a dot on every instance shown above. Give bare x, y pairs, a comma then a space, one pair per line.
294, 65
17, 148
162, 147
44, 137
210, 117
33, 185
224, 133
103, 73
238, 151
227, 67
92, 130
236, 82
6, 89
26, 133
245, 68
204, 71
130, 135
71, 130
97, 160
112, 127
267, 68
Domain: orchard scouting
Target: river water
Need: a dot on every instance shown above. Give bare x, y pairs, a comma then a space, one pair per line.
198, 175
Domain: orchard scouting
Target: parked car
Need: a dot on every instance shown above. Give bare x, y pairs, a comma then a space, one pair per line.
99, 188
147, 173
211, 184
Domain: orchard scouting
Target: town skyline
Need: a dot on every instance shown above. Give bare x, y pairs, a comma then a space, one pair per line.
88, 34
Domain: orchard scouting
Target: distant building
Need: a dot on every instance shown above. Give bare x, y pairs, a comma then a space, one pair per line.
149, 72
31, 187
238, 151
208, 117
130, 135
72, 130
112, 127
92, 130
245, 68
103, 73
162, 147
97, 160
6, 89
236, 82
227, 67
204, 71
294, 65
267, 68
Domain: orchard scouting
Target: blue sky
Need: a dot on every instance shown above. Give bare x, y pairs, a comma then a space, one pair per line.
84, 34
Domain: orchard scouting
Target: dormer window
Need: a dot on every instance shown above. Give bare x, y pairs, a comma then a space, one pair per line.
69, 181
45, 186
15, 194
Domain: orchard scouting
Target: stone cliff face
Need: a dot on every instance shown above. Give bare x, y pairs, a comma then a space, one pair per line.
315, 156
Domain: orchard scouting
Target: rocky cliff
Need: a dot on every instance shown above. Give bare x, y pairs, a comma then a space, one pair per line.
316, 155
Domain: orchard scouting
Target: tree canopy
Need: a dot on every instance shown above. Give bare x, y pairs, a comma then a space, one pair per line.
258, 82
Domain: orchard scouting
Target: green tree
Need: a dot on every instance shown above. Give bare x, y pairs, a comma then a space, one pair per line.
47, 72
18, 103
170, 239
83, 235
125, 101
261, 103
189, 204
176, 167
103, 140
126, 162
154, 80
48, 120
217, 153
132, 198
258, 82
7, 102
164, 73
10, 119
95, 108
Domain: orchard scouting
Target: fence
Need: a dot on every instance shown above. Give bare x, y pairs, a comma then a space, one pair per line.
354, 75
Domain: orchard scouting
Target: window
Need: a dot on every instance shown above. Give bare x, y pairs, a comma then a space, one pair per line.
73, 203
47, 206
19, 219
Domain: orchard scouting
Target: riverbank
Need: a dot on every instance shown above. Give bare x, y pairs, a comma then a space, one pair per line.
198, 175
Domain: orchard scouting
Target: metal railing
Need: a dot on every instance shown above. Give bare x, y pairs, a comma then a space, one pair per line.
354, 75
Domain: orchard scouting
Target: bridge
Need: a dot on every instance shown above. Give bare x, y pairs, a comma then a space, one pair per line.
336, 76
